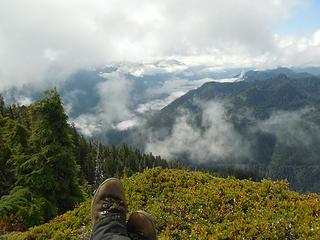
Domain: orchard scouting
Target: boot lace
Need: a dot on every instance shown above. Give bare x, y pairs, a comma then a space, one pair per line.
113, 207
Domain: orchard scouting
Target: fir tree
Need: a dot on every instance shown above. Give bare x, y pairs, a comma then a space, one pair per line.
52, 167
46, 170
2, 106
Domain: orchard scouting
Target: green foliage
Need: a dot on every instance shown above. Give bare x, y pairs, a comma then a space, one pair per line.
84, 156
13, 138
115, 161
44, 160
2, 106
196, 205
25, 207
51, 171
19, 196
71, 225
124, 161
42, 164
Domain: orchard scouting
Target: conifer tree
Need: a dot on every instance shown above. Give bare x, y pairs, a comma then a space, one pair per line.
13, 150
5, 153
52, 171
2, 106
85, 157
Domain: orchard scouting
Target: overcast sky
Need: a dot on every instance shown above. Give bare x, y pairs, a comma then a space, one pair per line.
43, 40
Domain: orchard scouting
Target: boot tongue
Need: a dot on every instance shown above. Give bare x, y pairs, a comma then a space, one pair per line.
114, 208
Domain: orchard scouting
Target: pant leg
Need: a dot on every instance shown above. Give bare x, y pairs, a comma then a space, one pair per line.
109, 228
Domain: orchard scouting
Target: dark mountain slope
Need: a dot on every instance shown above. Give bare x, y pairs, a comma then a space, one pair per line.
279, 118
267, 74
278, 93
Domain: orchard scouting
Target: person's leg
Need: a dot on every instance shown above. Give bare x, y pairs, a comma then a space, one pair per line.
108, 212
109, 229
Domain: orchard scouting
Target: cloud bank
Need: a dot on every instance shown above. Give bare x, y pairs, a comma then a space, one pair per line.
292, 128
217, 139
214, 139
41, 42
112, 109
130, 91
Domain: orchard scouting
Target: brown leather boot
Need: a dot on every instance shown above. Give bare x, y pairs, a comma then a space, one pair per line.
141, 226
109, 200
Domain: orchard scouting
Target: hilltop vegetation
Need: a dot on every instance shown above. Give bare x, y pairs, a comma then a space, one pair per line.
196, 205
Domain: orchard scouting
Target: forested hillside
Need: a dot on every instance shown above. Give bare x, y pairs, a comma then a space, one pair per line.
47, 167
269, 126
196, 205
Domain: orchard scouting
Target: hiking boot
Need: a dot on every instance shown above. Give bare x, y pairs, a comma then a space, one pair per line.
109, 201
141, 226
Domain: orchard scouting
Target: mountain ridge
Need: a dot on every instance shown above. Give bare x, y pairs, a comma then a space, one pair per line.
279, 118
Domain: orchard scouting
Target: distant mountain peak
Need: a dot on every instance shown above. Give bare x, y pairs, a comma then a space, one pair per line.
260, 75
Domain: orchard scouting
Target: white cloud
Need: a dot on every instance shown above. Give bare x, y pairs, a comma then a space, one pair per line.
51, 54
152, 68
183, 85
124, 125
112, 108
43, 41
115, 109
24, 101
88, 124
215, 139
115, 96
292, 128
158, 104
316, 37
